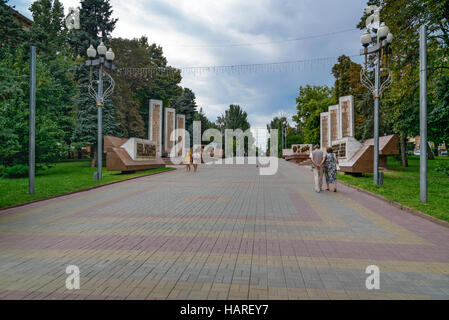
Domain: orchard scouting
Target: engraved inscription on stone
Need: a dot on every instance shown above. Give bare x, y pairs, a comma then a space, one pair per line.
156, 125
345, 119
180, 137
324, 131
170, 118
340, 150
334, 124
145, 151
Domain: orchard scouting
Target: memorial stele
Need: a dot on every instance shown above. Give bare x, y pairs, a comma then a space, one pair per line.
169, 128
337, 129
180, 126
155, 124
161, 135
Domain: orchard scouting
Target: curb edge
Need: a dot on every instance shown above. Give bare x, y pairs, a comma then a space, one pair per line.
82, 190
399, 205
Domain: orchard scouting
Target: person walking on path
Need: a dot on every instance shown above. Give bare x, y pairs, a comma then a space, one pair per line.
330, 167
187, 160
317, 158
196, 160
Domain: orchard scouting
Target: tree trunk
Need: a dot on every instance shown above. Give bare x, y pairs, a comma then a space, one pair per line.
403, 143
430, 155
94, 159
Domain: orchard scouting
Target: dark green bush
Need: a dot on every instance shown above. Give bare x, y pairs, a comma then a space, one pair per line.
17, 171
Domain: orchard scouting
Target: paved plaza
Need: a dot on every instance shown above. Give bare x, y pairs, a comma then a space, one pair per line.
222, 233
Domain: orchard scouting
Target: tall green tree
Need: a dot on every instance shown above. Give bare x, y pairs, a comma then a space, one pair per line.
11, 32
49, 36
439, 115
96, 24
233, 118
342, 73
129, 54
14, 110
162, 81
205, 122
186, 104
277, 124
148, 77
47, 32
347, 82
400, 104
312, 100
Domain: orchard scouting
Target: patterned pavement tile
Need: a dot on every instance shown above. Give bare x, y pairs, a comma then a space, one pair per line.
224, 232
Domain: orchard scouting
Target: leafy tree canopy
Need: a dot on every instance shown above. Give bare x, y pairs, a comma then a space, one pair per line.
312, 100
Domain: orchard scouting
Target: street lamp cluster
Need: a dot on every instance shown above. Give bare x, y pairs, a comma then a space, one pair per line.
106, 58
102, 52
384, 39
376, 40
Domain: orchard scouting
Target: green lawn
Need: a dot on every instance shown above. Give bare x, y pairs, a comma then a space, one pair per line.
402, 185
64, 177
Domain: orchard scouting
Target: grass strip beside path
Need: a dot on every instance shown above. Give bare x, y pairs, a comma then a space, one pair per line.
402, 185
63, 178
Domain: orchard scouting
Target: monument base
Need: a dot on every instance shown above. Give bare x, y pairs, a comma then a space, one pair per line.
362, 160
128, 155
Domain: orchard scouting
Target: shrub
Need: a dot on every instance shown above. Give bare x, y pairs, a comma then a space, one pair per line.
17, 171
443, 168
2, 169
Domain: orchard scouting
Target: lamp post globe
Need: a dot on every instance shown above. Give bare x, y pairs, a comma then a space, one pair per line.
91, 52
383, 31
365, 39
390, 37
110, 55
101, 49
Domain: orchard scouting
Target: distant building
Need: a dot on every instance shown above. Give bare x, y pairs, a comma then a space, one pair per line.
20, 18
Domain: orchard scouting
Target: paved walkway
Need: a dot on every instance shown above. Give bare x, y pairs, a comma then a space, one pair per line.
222, 233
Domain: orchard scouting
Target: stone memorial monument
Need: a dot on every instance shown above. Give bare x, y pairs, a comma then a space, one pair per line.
337, 130
169, 127
181, 125
132, 154
298, 153
324, 130
155, 124
345, 146
346, 114
334, 123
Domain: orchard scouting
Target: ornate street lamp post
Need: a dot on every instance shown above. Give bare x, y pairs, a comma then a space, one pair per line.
376, 40
106, 57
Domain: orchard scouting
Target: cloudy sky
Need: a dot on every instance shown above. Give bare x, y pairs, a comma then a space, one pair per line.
196, 33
